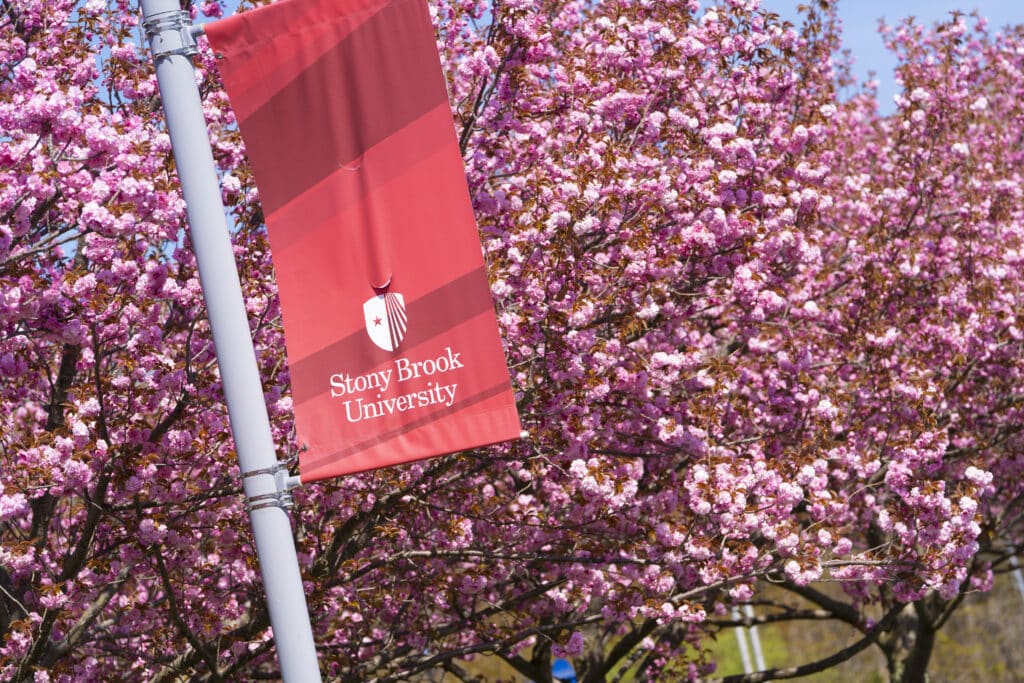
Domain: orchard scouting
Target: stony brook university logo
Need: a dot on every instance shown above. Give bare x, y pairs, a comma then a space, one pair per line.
385, 319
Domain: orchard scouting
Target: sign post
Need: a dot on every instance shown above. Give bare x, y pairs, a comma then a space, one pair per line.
265, 481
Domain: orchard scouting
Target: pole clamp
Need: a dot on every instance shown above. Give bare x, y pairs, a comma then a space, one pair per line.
277, 499
282, 497
171, 33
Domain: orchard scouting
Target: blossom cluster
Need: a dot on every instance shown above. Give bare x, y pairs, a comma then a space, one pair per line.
757, 331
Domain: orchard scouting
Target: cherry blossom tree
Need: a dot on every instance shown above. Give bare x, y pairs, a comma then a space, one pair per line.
758, 332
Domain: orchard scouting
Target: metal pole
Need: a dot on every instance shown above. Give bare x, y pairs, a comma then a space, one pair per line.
755, 639
1018, 575
264, 479
741, 641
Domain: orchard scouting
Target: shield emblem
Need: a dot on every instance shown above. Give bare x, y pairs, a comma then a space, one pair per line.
385, 320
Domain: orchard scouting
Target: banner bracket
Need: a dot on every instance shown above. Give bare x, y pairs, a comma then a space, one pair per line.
281, 497
162, 29
272, 470
277, 499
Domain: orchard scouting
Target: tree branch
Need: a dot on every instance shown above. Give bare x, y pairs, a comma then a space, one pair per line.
822, 664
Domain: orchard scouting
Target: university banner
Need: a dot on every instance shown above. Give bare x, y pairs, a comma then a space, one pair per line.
392, 342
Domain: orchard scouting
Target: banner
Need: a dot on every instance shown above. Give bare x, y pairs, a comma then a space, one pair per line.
393, 347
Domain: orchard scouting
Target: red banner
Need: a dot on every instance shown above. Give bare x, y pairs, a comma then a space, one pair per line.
392, 342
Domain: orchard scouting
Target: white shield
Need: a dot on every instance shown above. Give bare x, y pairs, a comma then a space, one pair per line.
385, 320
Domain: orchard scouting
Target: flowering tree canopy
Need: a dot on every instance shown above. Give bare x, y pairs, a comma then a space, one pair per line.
757, 330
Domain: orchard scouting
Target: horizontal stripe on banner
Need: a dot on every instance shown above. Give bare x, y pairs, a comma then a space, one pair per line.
435, 313
265, 48
347, 103
427, 141
338, 457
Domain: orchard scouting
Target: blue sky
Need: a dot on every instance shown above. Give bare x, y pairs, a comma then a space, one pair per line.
860, 28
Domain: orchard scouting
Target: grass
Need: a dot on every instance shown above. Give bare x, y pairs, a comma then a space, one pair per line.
981, 642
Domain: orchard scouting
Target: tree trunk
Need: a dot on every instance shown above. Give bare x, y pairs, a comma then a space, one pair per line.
908, 646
